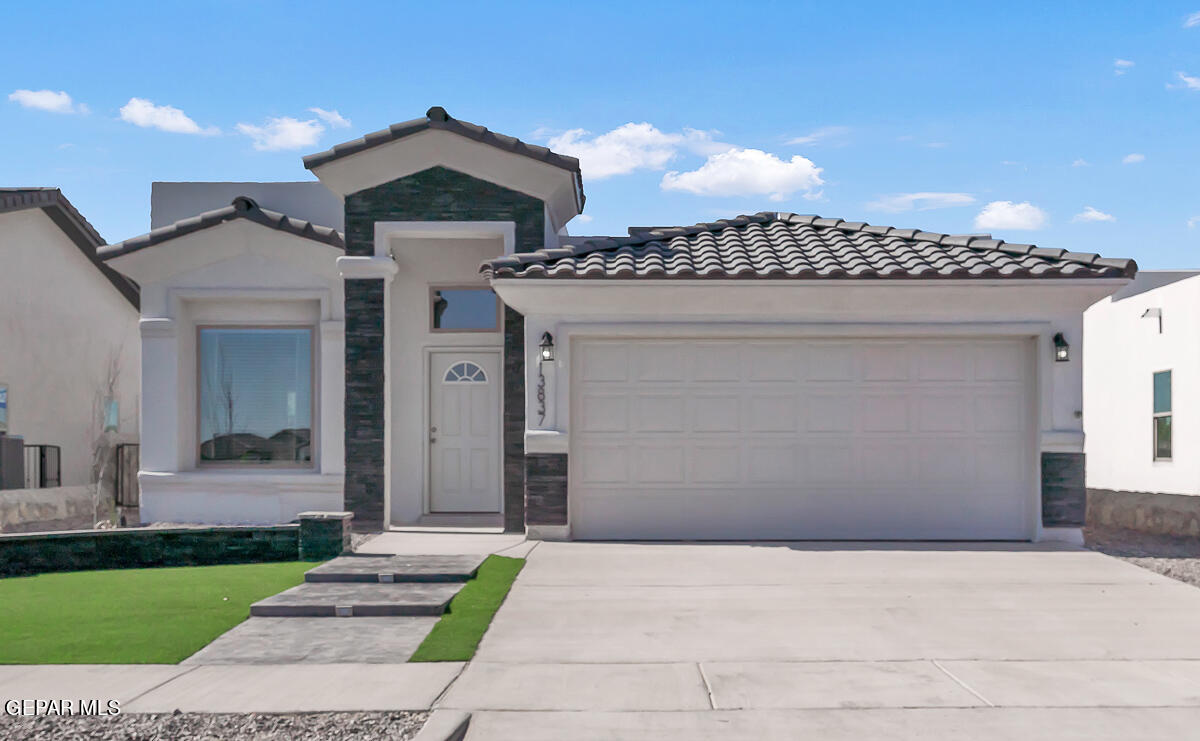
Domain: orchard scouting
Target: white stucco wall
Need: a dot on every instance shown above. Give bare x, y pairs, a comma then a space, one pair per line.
1124, 350
237, 273
61, 324
423, 262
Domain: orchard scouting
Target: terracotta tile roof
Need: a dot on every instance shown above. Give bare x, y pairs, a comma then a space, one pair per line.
437, 118
241, 208
66, 217
784, 245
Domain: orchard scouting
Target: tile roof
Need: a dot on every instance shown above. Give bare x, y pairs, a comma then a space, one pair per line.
241, 208
437, 118
784, 245
66, 217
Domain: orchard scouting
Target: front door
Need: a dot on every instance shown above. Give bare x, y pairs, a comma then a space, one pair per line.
464, 432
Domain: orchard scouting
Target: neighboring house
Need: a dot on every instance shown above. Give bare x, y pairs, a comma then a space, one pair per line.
769, 376
70, 365
1143, 402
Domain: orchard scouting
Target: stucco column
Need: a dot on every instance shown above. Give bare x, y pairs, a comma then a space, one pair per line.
160, 387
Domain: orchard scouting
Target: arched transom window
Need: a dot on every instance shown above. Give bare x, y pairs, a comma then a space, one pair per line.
464, 372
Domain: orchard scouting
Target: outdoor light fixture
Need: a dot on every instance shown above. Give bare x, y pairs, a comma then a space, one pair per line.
1062, 351
546, 354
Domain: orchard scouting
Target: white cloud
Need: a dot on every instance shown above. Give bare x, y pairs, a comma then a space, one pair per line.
825, 133
332, 117
1192, 20
144, 113
923, 201
583, 218
741, 172
282, 133
630, 147
1186, 82
1090, 214
1133, 159
1080, 162
1121, 66
1192, 222
1009, 215
47, 100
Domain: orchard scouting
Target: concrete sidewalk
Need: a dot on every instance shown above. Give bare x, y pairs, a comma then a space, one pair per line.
280, 688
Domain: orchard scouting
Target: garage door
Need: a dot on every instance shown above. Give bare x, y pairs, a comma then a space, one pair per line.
814, 439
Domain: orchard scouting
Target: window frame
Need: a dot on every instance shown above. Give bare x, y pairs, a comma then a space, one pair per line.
314, 432
435, 287
1168, 415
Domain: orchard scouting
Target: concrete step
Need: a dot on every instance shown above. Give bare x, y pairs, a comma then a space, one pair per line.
367, 569
333, 599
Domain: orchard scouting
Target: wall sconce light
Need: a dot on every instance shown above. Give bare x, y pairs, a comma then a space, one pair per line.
545, 355
1062, 351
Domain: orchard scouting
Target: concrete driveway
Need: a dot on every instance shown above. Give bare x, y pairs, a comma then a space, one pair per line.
835, 641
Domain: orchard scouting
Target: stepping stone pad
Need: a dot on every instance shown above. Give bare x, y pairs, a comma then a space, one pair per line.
390, 569
357, 600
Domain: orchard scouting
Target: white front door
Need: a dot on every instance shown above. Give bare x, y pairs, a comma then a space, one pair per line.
464, 432
809, 438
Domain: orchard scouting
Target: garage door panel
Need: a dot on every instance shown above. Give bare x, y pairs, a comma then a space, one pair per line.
830, 361
601, 464
886, 362
885, 412
659, 413
772, 413
772, 362
715, 464
714, 362
660, 362
771, 463
943, 361
659, 464
802, 439
603, 413
716, 413
941, 412
830, 412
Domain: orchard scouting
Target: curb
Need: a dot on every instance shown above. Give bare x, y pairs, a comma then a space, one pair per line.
445, 725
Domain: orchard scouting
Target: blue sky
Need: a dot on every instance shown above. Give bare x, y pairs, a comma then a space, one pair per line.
1012, 118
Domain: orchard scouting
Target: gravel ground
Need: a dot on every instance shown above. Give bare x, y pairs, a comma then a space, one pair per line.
216, 727
1176, 557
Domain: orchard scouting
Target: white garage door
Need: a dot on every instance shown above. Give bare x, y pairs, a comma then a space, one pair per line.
821, 439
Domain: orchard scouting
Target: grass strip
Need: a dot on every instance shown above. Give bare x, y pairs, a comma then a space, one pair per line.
131, 616
456, 636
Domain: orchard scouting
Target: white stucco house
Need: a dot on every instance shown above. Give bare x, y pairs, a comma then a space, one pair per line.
433, 348
1141, 363
70, 365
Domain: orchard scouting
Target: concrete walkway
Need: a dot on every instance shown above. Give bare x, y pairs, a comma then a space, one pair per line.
835, 641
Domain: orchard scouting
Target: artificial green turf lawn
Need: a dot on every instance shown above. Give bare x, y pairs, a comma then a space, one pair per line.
133, 616
456, 636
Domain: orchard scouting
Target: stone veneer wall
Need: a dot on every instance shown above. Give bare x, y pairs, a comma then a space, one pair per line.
436, 194
1176, 515
364, 408
546, 489
36, 510
85, 550
1064, 493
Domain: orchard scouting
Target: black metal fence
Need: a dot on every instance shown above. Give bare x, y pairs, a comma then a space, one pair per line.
43, 466
128, 463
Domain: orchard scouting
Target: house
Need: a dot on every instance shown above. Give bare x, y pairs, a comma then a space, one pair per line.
1141, 400
70, 367
447, 355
